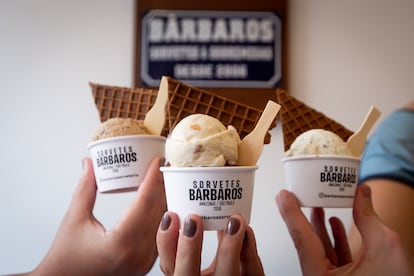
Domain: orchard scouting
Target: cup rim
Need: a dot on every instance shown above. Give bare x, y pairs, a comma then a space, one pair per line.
208, 169
321, 157
126, 137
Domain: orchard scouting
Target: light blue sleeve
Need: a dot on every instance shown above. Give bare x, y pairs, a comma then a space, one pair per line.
389, 152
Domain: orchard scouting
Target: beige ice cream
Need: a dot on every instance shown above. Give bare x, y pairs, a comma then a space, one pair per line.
119, 127
200, 140
318, 142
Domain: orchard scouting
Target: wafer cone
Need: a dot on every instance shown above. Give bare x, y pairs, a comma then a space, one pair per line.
183, 100
122, 102
297, 117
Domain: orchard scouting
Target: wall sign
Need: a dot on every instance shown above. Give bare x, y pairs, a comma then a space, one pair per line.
207, 48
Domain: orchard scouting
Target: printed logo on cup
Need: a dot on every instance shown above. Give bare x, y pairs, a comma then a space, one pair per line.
205, 190
213, 193
341, 177
116, 162
112, 158
121, 162
322, 181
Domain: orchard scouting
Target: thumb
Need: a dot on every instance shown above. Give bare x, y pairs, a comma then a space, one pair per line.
83, 199
366, 220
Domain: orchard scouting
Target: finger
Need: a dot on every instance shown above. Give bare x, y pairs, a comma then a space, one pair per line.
379, 242
319, 226
310, 249
249, 258
188, 259
366, 220
228, 252
83, 199
167, 239
342, 249
212, 267
149, 205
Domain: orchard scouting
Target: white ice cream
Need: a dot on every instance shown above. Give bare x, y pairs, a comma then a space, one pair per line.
318, 142
200, 140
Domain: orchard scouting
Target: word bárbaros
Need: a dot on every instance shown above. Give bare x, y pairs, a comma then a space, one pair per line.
216, 190
114, 156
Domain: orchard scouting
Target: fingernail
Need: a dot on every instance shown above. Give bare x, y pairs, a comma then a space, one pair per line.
162, 162
165, 222
232, 226
280, 198
366, 191
190, 227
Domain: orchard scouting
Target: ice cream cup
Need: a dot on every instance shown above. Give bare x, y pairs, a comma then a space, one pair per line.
213, 193
120, 162
322, 180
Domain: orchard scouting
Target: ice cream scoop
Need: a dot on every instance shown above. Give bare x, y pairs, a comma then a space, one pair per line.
318, 142
119, 127
201, 140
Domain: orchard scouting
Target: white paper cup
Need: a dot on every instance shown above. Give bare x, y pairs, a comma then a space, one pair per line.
120, 162
322, 180
213, 193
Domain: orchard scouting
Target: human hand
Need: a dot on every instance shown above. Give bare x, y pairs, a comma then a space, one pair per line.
82, 245
382, 252
180, 251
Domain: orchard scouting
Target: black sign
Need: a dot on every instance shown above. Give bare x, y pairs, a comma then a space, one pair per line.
212, 48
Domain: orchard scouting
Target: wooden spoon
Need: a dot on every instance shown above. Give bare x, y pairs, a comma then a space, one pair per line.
251, 146
155, 118
356, 142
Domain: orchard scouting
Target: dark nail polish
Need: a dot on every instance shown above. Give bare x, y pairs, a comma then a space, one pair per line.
232, 226
190, 227
165, 222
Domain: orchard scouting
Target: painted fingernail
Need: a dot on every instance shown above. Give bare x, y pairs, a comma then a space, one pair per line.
232, 226
165, 222
190, 227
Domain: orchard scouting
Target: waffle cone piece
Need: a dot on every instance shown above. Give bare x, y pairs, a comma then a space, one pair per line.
122, 102
183, 100
297, 117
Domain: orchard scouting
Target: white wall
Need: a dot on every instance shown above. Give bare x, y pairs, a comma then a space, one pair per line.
343, 57
347, 55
